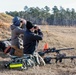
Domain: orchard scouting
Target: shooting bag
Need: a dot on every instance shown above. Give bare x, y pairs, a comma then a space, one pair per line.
18, 52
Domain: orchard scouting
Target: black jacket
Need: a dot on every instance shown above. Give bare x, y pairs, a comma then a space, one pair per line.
30, 41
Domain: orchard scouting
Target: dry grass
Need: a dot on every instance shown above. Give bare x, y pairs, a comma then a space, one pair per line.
5, 20
55, 36
59, 36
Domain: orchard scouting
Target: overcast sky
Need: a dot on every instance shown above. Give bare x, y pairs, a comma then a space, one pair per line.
18, 5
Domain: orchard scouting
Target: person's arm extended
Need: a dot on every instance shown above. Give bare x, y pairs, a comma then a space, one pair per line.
20, 31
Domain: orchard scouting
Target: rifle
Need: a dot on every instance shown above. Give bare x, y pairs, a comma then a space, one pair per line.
51, 50
59, 58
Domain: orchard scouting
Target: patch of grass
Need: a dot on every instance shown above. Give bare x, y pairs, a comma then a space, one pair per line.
5, 18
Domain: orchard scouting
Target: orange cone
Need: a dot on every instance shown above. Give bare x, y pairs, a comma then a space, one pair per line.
45, 46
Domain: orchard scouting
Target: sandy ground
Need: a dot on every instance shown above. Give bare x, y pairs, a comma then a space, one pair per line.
55, 36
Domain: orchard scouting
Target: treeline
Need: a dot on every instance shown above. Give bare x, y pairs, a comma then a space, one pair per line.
43, 16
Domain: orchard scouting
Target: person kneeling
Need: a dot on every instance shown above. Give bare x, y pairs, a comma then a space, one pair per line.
31, 39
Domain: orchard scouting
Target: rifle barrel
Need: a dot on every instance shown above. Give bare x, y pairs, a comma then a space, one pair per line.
66, 57
69, 57
66, 49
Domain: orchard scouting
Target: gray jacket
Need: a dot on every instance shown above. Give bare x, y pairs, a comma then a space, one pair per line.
15, 32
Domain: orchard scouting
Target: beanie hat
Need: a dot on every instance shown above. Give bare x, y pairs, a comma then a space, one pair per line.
29, 25
16, 21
